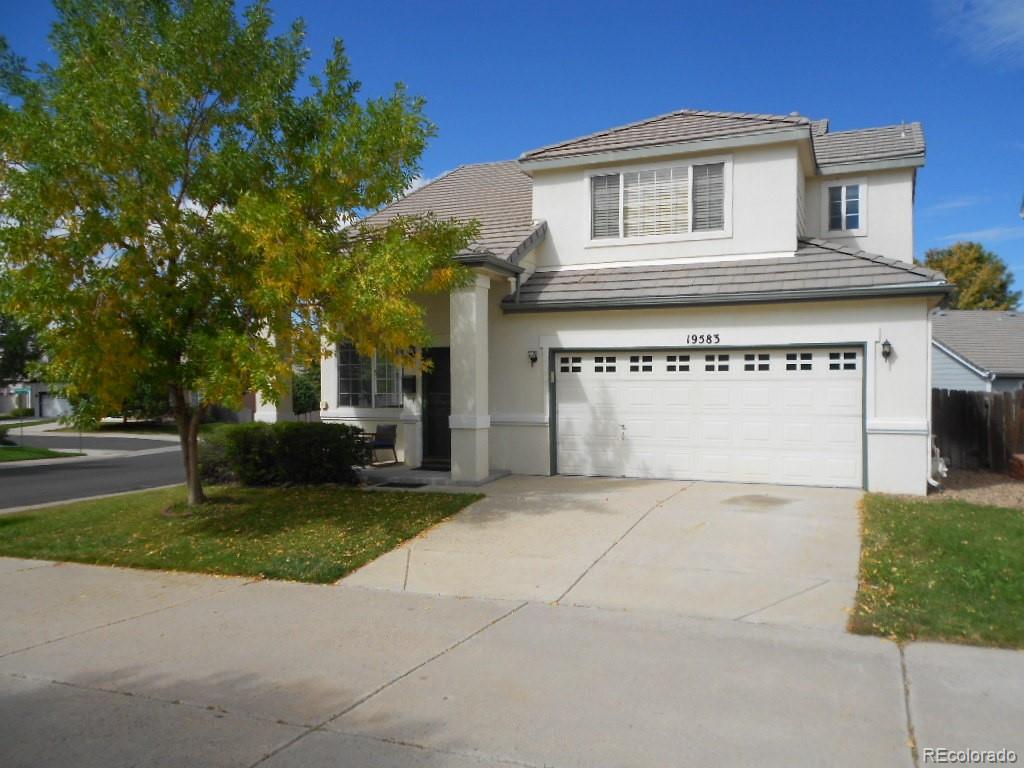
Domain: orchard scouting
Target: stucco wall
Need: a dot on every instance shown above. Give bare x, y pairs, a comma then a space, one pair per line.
948, 373
889, 207
896, 397
763, 213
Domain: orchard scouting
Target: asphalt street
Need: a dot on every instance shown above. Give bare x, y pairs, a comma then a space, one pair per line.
25, 484
70, 442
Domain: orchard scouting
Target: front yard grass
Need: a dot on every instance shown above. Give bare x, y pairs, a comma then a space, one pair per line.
28, 453
942, 570
314, 533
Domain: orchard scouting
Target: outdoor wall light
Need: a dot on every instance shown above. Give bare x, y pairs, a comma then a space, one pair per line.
532, 354
886, 349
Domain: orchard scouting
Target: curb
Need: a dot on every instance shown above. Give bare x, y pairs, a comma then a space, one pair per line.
30, 507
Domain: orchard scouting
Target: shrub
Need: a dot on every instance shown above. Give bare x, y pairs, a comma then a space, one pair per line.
20, 413
3, 436
214, 466
287, 452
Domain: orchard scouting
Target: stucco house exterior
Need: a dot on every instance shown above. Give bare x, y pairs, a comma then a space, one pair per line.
700, 295
978, 350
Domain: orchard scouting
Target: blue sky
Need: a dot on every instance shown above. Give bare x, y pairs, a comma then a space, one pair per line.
503, 77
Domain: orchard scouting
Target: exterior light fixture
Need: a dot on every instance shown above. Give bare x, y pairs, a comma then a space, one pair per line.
886, 349
532, 354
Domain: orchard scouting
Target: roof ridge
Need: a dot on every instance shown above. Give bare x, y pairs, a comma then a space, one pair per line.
798, 119
792, 119
914, 269
874, 128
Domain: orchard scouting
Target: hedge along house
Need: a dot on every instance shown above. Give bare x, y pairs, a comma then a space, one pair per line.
694, 296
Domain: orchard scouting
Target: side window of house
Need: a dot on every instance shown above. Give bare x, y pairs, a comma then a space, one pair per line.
844, 207
367, 382
661, 201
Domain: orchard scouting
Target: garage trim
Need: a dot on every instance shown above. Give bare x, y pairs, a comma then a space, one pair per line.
553, 391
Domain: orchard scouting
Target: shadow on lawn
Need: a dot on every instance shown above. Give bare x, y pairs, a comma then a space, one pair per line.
238, 511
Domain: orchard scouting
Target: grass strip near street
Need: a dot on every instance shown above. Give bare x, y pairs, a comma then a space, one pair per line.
28, 453
942, 570
312, 533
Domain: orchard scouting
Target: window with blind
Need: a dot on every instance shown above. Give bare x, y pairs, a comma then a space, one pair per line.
367, 382
663, 201
708, 197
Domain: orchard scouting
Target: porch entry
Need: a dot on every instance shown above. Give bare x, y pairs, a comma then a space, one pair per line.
437, 407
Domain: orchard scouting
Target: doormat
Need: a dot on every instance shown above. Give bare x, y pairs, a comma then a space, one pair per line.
403, 484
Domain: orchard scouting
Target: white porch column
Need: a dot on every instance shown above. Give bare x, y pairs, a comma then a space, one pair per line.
470, 420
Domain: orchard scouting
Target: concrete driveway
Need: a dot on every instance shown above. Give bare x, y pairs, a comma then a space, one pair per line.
105, 667
763, 554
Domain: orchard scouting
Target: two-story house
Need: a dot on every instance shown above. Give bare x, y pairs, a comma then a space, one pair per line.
701, 295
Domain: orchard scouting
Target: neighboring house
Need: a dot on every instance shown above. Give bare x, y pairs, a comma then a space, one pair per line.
41, 398
693, 296
978, 350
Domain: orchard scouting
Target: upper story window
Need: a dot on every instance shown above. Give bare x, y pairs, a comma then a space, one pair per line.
674, 200
367, 382
845, 207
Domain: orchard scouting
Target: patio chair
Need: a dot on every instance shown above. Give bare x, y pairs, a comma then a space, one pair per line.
384, 439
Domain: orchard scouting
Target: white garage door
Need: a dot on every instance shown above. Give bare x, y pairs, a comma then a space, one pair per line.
791, 416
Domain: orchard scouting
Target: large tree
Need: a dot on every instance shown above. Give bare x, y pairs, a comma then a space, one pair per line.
982, 279
177, 208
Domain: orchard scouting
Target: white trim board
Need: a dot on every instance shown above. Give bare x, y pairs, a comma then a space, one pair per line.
666, 262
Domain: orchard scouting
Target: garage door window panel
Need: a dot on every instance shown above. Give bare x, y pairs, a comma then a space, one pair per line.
716, 363
760, 361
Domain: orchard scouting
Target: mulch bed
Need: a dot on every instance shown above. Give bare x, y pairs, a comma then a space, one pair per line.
981, 487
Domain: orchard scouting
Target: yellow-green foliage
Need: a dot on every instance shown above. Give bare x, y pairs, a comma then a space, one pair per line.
174, 212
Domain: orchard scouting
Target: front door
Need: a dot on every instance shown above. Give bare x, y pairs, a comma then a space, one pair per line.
437, 407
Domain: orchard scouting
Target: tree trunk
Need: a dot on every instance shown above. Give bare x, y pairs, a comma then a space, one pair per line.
188, 419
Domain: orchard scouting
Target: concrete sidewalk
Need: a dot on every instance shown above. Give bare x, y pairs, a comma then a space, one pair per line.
103, 666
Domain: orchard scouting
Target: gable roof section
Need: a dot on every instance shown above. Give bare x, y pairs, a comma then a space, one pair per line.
990, 340
819, 270
891, 142
894, 144
673, 128
497, 195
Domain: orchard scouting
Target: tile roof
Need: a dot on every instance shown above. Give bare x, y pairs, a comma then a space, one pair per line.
857, 146
991, 340
497, 195
672, 128
820, 269
870, 144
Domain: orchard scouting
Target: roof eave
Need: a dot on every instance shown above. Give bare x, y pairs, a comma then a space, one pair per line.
862, 166
538, 233
487, 260
765, 297
769, 136
983, 372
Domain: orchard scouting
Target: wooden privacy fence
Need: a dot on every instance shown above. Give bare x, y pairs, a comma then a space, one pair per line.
978, 430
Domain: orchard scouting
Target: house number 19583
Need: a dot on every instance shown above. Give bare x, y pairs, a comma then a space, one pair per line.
702, 338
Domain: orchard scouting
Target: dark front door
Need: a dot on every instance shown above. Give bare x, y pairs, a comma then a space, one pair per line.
437, 407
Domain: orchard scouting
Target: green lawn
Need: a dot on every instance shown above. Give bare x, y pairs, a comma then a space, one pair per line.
315, 534
941, 570
28, 453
